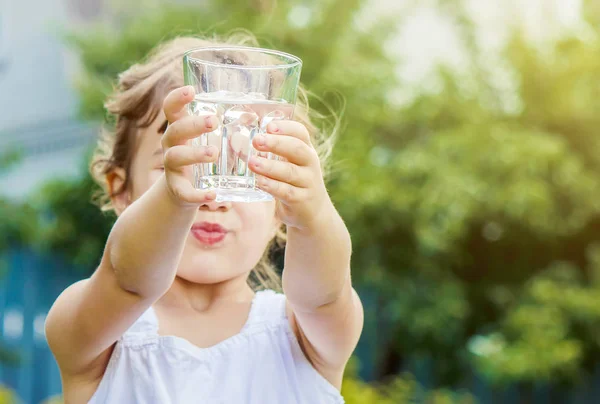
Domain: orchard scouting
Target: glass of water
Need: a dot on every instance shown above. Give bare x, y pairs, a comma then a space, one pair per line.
246, 88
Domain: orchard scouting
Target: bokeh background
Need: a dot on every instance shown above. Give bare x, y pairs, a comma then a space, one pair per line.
467, 169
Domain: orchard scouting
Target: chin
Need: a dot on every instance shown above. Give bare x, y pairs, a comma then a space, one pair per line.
202, 278
208, 269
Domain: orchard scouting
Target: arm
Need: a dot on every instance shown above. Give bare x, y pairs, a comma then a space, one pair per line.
89, 316
317, 262
326, 311
141, 256
323, 308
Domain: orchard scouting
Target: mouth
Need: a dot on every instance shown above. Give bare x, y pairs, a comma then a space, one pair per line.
208, 233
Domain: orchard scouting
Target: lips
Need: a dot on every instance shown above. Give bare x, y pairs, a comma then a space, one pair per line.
208, 233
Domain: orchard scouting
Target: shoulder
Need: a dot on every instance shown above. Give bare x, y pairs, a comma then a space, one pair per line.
268, 306
272, 308
57, 321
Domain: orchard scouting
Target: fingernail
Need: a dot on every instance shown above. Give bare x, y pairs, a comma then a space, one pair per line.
187, 90
209, 122
255, 161
272, 128
261, 140
209, 151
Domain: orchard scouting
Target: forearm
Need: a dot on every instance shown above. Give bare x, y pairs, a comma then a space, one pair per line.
317, 262
147, 240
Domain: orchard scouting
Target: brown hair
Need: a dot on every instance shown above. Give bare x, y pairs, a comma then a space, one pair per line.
135, 104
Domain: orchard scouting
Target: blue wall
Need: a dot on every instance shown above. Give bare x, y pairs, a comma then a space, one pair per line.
27, 290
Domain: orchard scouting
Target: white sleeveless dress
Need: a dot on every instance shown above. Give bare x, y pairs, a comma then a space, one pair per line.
263, 364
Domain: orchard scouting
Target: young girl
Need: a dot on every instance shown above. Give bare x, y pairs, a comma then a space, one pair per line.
171, 315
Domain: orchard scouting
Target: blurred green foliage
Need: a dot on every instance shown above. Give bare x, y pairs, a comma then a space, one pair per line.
18, 220
474, 204
403, 389
54, 400
7, 396
71, 224
8, 158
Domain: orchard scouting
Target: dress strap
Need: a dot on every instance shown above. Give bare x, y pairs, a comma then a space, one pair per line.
147, 323
267, 306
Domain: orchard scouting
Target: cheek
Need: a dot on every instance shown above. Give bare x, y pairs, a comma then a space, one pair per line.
258, 222
149, 175
153, 176
142, 180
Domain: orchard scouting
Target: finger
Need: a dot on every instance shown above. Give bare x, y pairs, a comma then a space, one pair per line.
183, 190
282, 191
174, 105
290, 128
291, 148
281, 171
178, 157
188, 128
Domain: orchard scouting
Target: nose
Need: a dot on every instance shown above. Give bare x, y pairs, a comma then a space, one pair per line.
216, 206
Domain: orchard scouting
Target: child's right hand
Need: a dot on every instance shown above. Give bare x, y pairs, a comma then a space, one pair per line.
178, 154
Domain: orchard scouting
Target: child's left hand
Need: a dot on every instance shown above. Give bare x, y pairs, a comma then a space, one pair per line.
298, 181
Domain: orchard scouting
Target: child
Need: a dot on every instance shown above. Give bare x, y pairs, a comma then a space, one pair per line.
171, 315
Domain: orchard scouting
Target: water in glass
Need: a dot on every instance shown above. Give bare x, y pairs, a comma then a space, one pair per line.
241, 117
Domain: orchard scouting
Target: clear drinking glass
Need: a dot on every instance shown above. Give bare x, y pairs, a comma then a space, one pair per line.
246, 88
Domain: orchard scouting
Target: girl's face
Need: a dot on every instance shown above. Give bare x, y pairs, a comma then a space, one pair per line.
226, 240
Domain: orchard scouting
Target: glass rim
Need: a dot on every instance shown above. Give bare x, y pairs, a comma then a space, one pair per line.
296, 61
